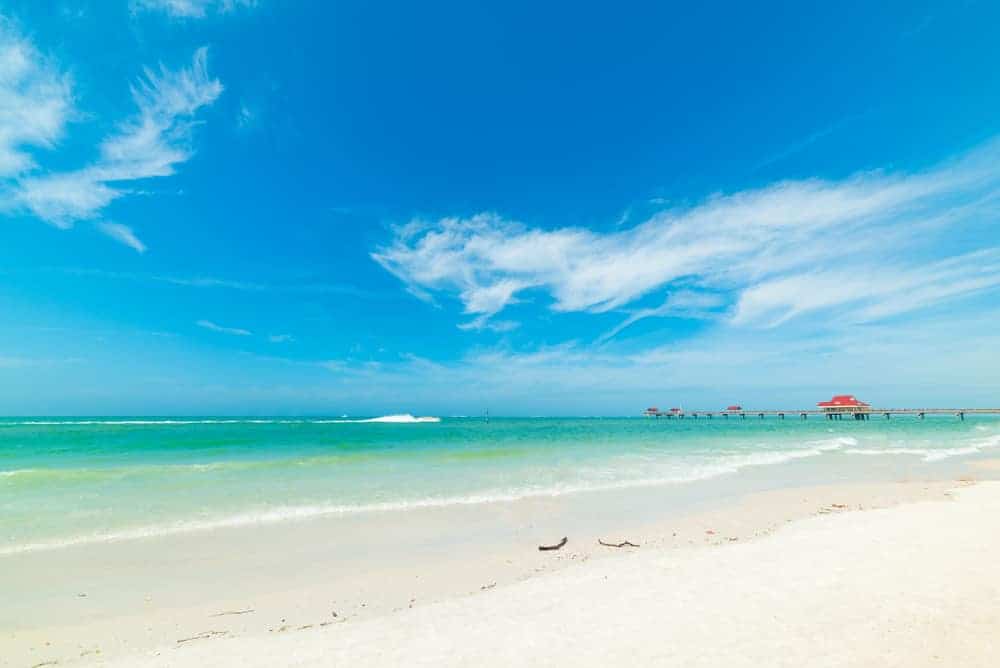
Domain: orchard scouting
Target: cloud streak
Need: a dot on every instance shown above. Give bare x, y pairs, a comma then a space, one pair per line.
306, 288
122, 234
213, 327
792, 248
196, 9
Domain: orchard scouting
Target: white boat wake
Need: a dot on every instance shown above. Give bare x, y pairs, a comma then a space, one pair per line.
403, 418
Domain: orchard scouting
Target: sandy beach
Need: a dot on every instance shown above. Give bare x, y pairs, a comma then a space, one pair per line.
492, 334
887, 573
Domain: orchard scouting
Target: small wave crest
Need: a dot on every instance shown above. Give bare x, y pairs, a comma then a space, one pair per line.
17, 472
56, 423
931, 454
404, 418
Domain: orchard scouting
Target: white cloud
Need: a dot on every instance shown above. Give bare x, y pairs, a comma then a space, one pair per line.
36, 101
191, 8
211, 326
872, 292
679, 304
773, 251
483, 322
281, 338
122, 234
62, 199
34, 107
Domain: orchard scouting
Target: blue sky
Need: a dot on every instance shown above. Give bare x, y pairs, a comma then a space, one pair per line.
253, 206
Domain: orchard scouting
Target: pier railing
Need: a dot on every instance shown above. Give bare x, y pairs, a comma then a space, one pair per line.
835, 413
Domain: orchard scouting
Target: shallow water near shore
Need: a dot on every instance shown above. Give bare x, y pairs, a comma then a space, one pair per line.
75, 481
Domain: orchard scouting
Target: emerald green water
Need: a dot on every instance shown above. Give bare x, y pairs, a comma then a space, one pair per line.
68, 481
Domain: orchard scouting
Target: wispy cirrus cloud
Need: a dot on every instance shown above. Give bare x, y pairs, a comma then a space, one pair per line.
19, 362
778, 252
680, 304
36, 101
122, 234
150, 144
288, 286
803, 144
36, 104
214, 327
191, 8
871, 292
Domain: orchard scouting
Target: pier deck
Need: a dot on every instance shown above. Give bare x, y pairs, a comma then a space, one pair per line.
834, 414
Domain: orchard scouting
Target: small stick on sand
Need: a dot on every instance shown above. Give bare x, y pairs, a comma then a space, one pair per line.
202, 636
545, 548
232, 612
624, 543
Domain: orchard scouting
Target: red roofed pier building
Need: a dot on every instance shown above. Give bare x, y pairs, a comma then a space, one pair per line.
845, 404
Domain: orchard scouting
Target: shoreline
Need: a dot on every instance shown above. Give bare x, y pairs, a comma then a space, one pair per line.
97, 602
713, 475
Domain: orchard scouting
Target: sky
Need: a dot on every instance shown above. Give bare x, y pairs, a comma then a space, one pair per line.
274, 207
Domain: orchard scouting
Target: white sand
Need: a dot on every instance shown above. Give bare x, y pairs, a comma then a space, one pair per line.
912, 585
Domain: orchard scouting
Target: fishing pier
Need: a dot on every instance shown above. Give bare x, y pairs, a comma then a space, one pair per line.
840, 407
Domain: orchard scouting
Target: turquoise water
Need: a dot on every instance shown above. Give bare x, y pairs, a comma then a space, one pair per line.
69, 481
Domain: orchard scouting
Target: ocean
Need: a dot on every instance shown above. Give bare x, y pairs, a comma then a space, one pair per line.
70, 481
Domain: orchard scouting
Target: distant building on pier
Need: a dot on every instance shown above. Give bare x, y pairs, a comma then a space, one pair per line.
844, 403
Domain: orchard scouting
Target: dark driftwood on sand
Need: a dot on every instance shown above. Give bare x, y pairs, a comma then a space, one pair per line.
202, 636
233, 612
624, 543
545, 548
